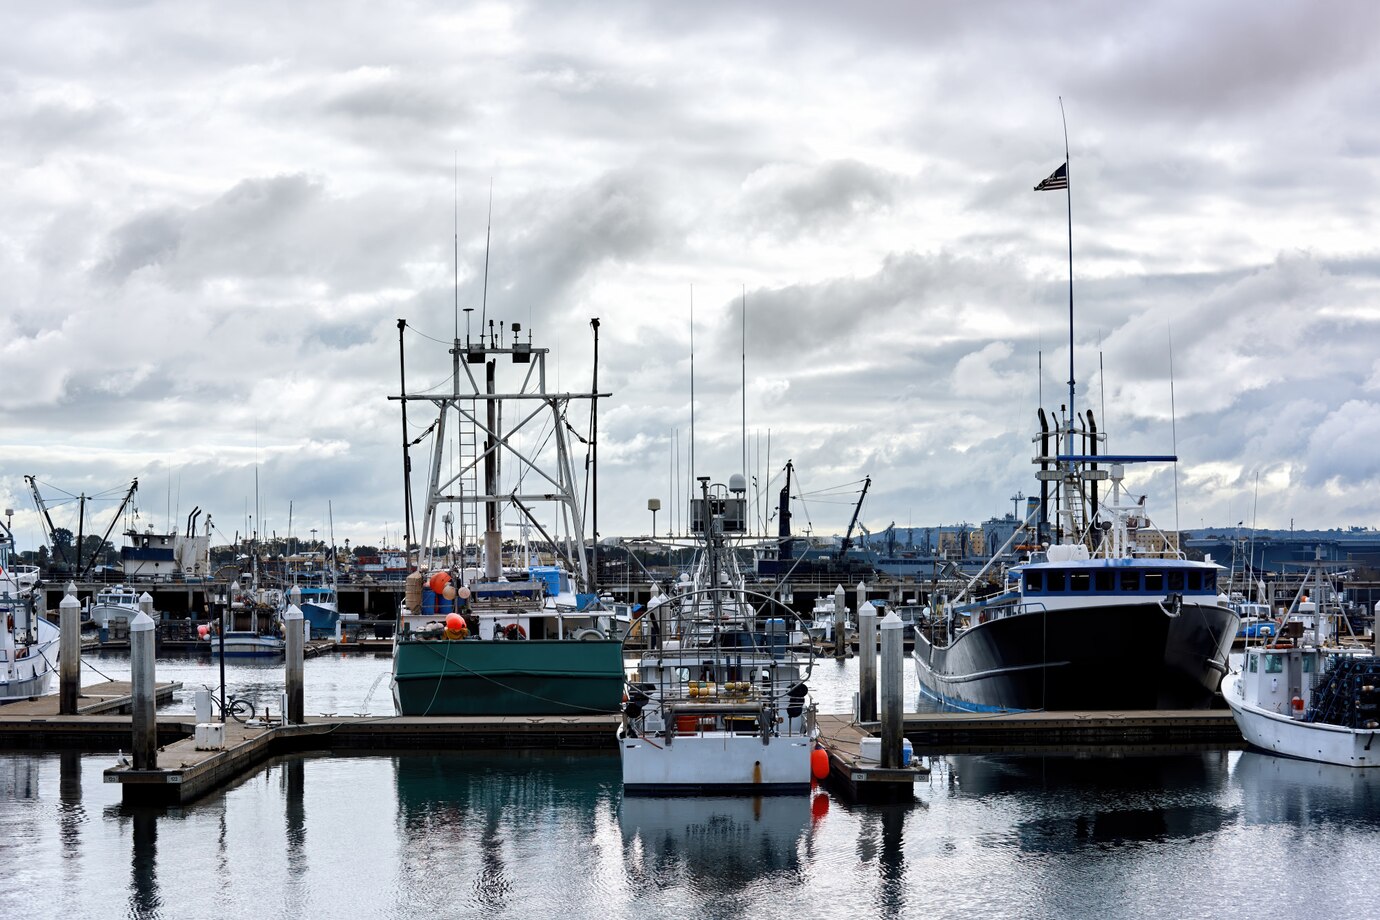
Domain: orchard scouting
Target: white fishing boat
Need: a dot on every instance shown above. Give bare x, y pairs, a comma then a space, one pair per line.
719, 704
824, 616
119, 602
1305, 694
28, 642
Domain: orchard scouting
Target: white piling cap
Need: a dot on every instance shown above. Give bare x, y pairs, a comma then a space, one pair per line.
71, 588
891, 621
145, 597
295, 591
69, 601
142, 622
861, 587
868, 609
838, 589
293, 613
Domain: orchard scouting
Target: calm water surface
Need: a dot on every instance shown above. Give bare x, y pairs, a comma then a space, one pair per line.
455, 834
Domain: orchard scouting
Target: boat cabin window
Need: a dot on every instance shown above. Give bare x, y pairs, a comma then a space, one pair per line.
1274, 664
1154, 582
1080, 581
1128, 581
1308, 664
1210, 581
1055, 580
1104, 580
1176, 580
1034, 582
1195, 580
1253, 660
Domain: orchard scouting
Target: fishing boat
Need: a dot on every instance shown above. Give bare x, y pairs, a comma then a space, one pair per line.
472, 639
28, 642
1106, 612
252, 624
1111, 616
1308, 692
719, 704
824, 616
113, 604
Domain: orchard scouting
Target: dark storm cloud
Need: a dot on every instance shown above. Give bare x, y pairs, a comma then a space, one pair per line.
816, 199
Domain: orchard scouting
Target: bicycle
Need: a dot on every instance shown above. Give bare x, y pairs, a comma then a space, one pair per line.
241, 709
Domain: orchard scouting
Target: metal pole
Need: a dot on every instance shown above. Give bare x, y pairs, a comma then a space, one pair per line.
893, 710
292, 626
227, 613
69, 653
867, 662
840, 624
141, 655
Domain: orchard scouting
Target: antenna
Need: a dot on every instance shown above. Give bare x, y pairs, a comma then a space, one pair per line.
488, 228
745, 463
692, 380
1173, 428
456, 254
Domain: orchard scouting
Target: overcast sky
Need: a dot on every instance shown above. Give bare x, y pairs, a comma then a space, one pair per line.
214, 214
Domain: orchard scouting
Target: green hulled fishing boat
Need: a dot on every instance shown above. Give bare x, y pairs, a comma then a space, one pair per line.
485, 639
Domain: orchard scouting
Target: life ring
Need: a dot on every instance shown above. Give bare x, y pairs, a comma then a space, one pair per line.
514, 631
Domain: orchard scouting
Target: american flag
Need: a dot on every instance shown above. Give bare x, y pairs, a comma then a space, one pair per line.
1057, 179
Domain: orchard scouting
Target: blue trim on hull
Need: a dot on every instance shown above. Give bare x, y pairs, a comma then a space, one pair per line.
712, 789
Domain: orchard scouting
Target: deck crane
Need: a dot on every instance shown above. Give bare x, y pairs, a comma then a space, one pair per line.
848, 537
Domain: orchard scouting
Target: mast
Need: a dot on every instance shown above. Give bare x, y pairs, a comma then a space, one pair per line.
407, 458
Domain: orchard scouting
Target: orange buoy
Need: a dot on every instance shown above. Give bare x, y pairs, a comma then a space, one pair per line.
1297, 703
455, 621
438, 582
819, 763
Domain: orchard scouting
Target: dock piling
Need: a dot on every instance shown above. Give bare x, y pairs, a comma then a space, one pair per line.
840, 624
145, 721
867, 662
292, 626
893, 679
69, 653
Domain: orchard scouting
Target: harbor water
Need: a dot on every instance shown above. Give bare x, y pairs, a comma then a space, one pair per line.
534, 835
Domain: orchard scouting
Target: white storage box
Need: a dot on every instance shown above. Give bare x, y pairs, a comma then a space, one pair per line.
871, 749
210, 736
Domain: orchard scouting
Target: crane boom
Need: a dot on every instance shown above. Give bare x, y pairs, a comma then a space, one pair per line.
47, 518
848, 537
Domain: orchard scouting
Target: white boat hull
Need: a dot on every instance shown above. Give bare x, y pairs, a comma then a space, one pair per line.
33, 674
715, 762
1278, 733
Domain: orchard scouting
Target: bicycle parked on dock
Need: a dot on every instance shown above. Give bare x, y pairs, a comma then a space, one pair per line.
241, 709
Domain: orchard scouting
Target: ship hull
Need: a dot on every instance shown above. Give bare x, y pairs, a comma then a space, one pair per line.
1125, 656
1317, 741
469, 677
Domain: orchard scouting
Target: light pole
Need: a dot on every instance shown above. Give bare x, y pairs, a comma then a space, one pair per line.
653, 505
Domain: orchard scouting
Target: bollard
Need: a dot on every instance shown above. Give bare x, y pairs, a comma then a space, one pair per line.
141, 653
292, 626
146, 605
203, 706
867, 663
840, 624
893, 678
69, 654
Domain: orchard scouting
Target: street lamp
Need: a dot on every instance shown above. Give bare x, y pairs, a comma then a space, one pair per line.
653, 505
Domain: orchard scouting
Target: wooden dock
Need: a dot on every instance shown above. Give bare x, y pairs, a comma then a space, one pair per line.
865, 780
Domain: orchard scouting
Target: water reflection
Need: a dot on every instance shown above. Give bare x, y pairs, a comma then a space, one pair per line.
714, 844
1301, 793
469, 821
144, 899
1067, 802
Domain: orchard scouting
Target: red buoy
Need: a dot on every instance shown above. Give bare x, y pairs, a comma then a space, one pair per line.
455, 621
819, 763
438, 582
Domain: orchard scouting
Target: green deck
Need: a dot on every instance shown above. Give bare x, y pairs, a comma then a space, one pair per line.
467, 677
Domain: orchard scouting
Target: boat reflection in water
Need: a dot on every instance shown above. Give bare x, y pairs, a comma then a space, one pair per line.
1304, 793
713, 843
1101, 800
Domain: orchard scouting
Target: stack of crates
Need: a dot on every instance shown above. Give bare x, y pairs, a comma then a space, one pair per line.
1349, 694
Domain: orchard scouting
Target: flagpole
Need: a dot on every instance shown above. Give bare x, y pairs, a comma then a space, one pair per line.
1068, 197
